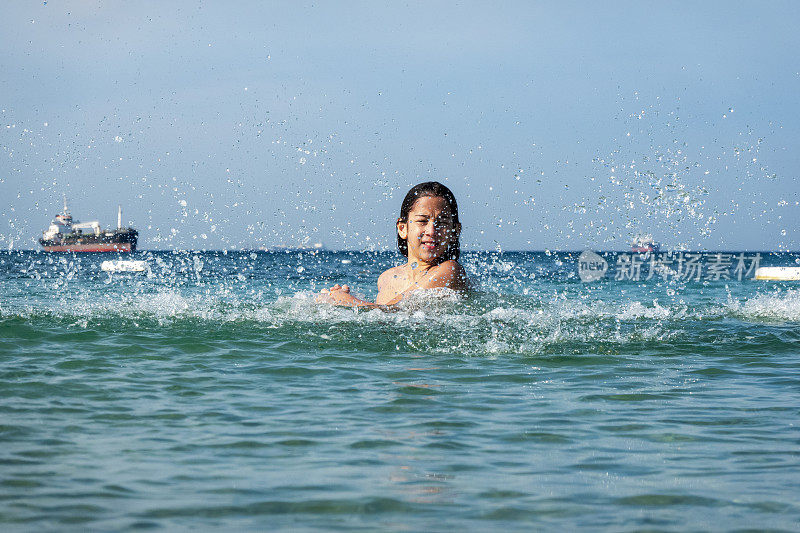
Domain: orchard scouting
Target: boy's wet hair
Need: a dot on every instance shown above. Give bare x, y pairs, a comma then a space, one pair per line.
436, 190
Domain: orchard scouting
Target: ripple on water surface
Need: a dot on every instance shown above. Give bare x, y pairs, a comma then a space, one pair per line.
210, 401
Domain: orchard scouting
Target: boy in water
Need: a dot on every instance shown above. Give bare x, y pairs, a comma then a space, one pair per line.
428, 234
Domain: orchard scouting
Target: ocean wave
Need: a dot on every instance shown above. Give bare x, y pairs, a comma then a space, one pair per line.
781, 305
434, 321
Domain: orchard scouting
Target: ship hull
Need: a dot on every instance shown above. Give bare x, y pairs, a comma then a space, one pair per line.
644, 249
98, 247
119, 241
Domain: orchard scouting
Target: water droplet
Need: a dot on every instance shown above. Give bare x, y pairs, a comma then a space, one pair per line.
413, 265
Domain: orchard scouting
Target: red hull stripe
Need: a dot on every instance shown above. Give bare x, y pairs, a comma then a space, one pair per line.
119, 247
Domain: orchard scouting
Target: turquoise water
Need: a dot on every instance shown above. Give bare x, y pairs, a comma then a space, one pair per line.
212, 393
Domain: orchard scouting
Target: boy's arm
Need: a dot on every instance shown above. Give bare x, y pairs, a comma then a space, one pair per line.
340, 295
449, 274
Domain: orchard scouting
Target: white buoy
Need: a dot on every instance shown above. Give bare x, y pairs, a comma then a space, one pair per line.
124, 265
778, 273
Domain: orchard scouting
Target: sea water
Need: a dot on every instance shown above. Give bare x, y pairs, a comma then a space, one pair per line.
211, 392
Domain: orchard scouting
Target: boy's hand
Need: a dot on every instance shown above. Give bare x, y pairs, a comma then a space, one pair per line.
338, 294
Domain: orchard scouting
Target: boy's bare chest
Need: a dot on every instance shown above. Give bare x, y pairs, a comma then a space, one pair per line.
400, 282
396, 282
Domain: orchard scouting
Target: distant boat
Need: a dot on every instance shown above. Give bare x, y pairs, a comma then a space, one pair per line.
67, 235
123, 265
778, 273
643, 244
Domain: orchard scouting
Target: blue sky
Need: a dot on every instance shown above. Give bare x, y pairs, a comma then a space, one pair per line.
560, 125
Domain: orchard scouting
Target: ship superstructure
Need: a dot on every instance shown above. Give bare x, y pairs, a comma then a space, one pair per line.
68, 235
644, 244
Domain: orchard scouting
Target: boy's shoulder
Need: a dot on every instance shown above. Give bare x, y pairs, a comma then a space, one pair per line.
392, 271
451, 265
390, 274
450, 274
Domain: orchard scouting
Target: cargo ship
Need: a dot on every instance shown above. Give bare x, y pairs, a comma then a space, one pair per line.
67, 235
644, 243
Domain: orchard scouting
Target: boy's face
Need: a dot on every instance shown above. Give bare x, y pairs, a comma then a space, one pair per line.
429, 230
